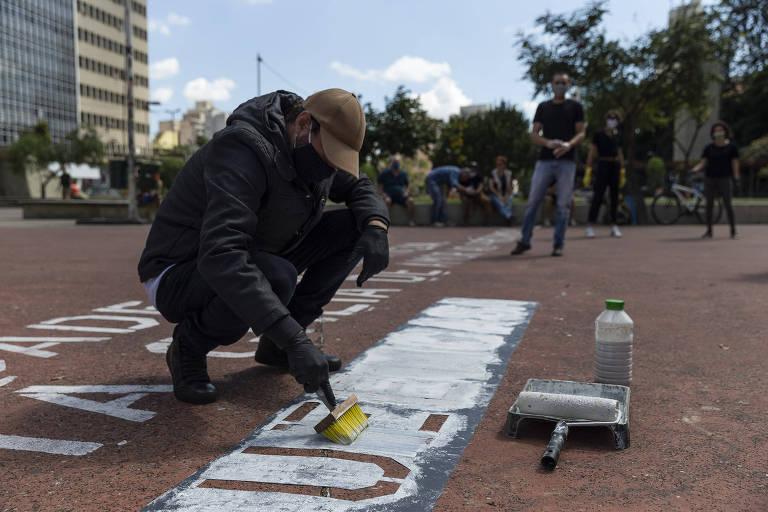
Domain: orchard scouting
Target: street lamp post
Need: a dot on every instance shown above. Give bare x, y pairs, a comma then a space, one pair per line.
133, 213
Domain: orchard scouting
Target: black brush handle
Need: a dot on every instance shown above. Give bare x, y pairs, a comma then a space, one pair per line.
325, 394
556, 442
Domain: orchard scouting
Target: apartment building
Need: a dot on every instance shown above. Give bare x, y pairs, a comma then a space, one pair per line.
102, 86
63, 61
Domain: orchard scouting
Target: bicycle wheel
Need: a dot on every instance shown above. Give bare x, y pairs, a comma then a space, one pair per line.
666, 208
701, 210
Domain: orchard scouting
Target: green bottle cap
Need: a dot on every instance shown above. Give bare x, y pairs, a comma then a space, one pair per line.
614, 304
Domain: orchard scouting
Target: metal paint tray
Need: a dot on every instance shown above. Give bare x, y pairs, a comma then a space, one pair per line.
619, 427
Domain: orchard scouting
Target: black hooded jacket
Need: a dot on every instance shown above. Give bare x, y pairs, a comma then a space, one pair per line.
238, 193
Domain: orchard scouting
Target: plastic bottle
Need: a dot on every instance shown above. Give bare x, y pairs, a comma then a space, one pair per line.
613, 344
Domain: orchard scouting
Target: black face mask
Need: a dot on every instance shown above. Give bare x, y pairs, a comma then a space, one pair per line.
309, 166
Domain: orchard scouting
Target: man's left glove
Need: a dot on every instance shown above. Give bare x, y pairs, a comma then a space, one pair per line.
373, 246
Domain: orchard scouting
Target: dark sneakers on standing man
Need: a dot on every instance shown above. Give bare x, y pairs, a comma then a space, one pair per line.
520, 248
189, 373
557, 250
268, 353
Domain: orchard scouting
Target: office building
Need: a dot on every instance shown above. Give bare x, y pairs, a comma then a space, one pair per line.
63, 61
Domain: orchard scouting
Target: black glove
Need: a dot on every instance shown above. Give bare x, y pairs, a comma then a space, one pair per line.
373, 246
306, 363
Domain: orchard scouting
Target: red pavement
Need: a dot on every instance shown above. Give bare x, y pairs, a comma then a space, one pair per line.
698, 433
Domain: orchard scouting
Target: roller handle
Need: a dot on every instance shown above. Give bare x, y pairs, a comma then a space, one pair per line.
556, 442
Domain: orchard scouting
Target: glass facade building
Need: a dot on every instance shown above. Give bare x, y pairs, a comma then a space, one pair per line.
38, 67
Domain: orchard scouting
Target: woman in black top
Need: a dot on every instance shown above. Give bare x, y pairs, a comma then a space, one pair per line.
610, 164
721, 159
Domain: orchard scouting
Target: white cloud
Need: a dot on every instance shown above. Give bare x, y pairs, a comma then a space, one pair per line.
201, 89
165, 68
529, 109
164, 26
176, 19
404, 69
444, 99
162, 94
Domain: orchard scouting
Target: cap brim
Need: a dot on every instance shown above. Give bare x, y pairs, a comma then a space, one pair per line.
339, 154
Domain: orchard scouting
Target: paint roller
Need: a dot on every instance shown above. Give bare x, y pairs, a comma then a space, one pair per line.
567, 407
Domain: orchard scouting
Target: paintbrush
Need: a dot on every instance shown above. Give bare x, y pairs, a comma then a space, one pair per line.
345, 422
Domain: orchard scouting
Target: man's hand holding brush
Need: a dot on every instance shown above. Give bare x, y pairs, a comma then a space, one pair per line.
305, 362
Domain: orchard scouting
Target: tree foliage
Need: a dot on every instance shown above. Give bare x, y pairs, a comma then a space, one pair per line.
403, 127
481, 137
34, 150
743, 26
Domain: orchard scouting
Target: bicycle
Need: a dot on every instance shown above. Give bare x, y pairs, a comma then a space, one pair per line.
677, 200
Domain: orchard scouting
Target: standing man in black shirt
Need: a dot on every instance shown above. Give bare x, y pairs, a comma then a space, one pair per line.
558, 127
721, 158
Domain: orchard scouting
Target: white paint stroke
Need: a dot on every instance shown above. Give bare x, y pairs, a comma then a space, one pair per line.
34, 350
7, 380
138, 321
117, 408
442, 368
2, 365
128, 307
112, 389
34, 339
161, 347
53, 446
400, 276
348, 311
284, 469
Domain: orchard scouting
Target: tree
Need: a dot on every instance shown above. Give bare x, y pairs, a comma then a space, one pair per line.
743, 26
34, 149
403, 127
650, 79
481, 137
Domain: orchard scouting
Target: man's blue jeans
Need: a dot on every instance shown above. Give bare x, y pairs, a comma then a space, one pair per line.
562, 172
505, 210
437, 213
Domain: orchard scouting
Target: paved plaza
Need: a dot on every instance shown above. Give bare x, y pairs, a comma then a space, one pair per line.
88, 421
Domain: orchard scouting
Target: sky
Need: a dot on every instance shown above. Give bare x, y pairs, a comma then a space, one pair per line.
449, 53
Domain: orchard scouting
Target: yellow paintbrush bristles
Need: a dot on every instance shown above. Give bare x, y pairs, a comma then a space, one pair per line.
345, 423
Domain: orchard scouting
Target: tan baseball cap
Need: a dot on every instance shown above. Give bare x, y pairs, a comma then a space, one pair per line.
342, 127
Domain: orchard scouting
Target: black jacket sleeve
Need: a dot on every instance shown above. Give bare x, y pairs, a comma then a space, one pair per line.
235, 183
360, 196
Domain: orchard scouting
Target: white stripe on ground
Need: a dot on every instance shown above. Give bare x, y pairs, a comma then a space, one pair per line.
53, 446
445, 361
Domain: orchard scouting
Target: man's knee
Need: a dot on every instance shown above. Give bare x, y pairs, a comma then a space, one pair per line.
280, 273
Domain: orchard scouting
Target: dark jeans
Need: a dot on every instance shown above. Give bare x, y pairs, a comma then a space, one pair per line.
437, 213
721, 186
206, 322
607, 175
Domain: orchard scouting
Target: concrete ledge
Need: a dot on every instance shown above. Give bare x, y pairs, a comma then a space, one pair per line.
117, 209
80, 208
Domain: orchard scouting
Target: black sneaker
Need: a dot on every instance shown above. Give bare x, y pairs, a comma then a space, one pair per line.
520, 248
734, 235
557, 250
707, 234
189, 373
269, 354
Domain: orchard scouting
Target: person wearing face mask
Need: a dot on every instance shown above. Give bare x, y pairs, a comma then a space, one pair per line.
721, 159
245, 217
558, 127
610, 171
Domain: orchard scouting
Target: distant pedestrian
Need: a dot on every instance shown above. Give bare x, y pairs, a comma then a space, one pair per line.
721, 159
393, 185
472, 194
610, 171
501, 188
446, 176
65, 180
558, 127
